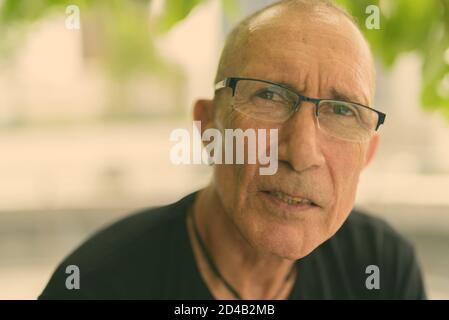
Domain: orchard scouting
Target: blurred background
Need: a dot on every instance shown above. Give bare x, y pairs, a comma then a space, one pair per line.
90, 91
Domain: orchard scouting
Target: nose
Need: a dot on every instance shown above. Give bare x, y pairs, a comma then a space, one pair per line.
298, 140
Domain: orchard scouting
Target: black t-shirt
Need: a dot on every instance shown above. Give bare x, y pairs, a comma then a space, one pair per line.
149, 256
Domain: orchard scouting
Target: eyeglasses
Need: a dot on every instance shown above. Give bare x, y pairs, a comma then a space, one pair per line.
273, 102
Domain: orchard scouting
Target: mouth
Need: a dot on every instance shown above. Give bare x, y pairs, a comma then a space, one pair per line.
288, 200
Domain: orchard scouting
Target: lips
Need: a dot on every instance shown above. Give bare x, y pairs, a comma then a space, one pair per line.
289, 199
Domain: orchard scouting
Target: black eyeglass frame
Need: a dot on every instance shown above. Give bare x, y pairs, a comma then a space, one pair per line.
231, 82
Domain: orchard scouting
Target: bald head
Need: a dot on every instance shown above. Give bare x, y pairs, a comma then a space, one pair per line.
300, 21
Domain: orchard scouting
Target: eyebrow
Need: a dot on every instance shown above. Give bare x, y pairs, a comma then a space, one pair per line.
335, 94
291, 87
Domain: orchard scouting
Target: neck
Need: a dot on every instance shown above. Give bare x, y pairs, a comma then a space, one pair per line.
255, 274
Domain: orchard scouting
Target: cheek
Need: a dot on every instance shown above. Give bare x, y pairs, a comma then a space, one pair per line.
345, 164
236, 183
233, 181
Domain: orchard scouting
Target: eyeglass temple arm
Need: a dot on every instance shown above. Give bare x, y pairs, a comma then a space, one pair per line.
222, 84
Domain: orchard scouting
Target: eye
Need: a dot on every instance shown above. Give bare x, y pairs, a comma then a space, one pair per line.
343, 109
267, 94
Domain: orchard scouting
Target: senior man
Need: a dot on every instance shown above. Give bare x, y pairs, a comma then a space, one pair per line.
303, 68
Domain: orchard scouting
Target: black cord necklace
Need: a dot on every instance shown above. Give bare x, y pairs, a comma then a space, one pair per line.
217, 272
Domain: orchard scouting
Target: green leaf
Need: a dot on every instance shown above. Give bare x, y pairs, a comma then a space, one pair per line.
175, 11
231, 9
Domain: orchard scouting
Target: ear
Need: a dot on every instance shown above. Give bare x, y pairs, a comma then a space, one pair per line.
371, 150
203, 112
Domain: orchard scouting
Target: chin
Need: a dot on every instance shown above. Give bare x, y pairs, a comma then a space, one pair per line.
289, 238
288, 242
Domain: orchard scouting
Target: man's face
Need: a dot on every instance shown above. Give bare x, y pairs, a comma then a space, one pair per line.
317, 54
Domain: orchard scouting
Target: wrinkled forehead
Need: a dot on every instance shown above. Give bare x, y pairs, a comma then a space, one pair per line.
282, 44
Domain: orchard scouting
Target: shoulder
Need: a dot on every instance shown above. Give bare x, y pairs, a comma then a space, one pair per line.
125, 251
143, 228
365, 241
365, 223
370, 240
372, 234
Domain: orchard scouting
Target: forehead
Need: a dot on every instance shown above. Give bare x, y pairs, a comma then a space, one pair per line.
314, 50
